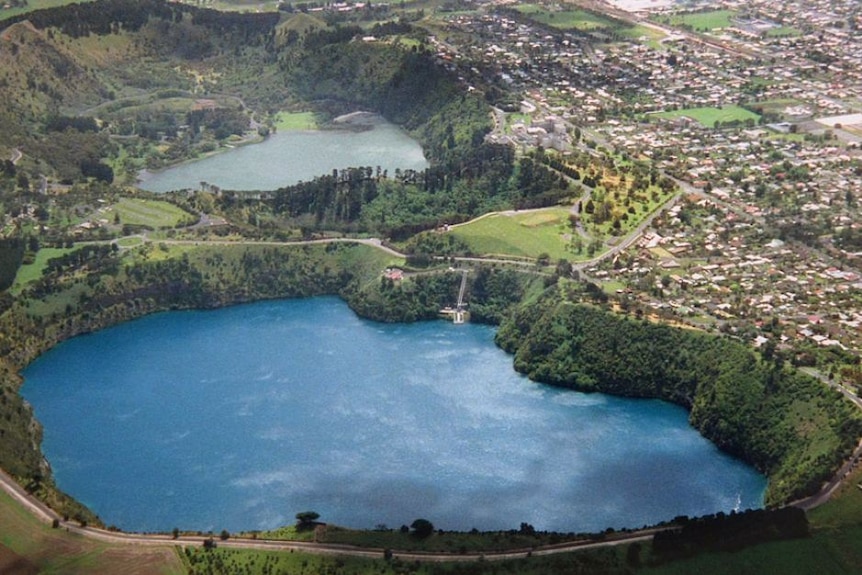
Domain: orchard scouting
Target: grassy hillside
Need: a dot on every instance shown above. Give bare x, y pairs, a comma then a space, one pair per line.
38, 74
28, 546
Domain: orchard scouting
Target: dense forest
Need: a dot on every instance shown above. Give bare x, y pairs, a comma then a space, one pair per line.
788, 425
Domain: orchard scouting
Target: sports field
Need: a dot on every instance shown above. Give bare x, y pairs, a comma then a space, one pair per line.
704, 21
150, 213
564, 19
709, 116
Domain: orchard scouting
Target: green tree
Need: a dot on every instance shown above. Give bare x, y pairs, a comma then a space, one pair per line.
422, 528
306, 519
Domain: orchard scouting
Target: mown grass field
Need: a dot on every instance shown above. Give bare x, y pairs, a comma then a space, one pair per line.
286, 121
519, 234
709, 116
640, 33
564, 19
587, 21
33, 271
704, 21
150, 213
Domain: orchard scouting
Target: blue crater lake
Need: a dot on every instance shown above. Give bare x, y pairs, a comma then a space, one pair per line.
241, 417
286, 158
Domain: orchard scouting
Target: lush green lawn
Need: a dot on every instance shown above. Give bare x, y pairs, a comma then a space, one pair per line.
704, 21
709, 116
151, 213
28, 546
565, 19
295, 121
31, 272
639, 33
525, 234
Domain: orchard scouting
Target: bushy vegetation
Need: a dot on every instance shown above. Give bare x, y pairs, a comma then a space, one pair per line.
786, 424
730, 532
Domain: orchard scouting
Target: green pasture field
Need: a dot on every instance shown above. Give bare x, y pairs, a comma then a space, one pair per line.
524, 234
150, 213
239, 5
640, 33
29, 546
565, 19
286, 121
516, 117
704, 21
709, 116
31, 272
201, 562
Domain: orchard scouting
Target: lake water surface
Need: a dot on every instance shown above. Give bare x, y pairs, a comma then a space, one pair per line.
240, 418
286, 158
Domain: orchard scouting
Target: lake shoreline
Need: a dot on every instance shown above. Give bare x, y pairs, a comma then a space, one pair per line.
284, 158
359, 120
268, 377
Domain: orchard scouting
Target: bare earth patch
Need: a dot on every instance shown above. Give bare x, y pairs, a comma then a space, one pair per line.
13, 564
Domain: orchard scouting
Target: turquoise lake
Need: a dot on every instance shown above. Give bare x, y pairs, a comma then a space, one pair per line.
286, 158
239, 418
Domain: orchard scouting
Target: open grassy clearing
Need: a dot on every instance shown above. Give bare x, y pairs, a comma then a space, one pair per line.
238, 5
709, 116
704, 21
286, 121
775, 105
643, 34
33, 547
150, 213
200, 562
525, 234
564, 19
33, 271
